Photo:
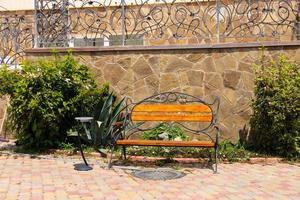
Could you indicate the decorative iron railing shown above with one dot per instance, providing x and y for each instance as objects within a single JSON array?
[
  {"x": 96, "y": 23},
  {"x": 16, "y": 34},
  {"x": 165, "y": 22}
]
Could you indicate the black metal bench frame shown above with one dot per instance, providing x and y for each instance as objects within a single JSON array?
[{"x": 120, "y": 136}]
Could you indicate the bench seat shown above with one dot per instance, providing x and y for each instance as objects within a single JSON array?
[{"x": 166, "y": 143}]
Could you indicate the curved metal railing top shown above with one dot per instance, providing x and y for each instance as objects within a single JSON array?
[
  {"x": 101, "y": 23},
  {"x": 165, "y": 22}
]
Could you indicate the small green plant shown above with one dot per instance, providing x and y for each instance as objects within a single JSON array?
[
  {"x": 72, "y": 148},
  {"x": 106, "y": 114},
  {"x": 170, "y": 152},
  {"x": 233, "y": 152},
  {"x": 68, "y": 147},
  {"x": 46, "y": 96},
  {"x": 164, "y": 131},
  {"x": 88, "y": 149},
  {"x": 275, "y": 123},
  {"x": 228, "y": 151}
]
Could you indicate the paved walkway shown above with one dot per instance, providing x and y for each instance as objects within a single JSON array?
[{"x": 26, "y": 177}]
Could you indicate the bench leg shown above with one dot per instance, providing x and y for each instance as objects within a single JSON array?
[
  {"x": 110, "y": 157},
  {"x": 124, "y": 152},
  {"x": 216, "y": 160},
  {"x": 80, "y": 148},
  {"x": 210, "y": 159}
]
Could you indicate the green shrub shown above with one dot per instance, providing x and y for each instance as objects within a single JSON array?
[
  {"x": 164, "y": 131},
  {"x": 275, "y": 123},
  {"x": 46, "y": 96}
]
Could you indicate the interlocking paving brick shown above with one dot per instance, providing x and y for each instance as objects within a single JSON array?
[{"x": 45, "y": 178}]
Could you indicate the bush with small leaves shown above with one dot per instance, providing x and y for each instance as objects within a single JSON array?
[
  {"x": 275, "y": 123},
  {"x": 46, "y": 96}
]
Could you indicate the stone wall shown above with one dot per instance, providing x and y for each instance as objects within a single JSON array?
[
  {"x": 205, "y": 73},
  {"x": 3, "y": 104}
]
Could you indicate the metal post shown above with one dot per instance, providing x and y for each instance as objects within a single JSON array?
[
  {"x": 298, "y": 23},
  {"x": 111, "y": 155},
  {"x": 80, "y": 167},
  {"x": 216, "y": 150},
  {"x": 218, "y": 20},
  {"x": 82, "y": 121},
  {"x": 216, "y": 160},
  {"x": 15, "y": 45},
  {"x": 124, "y": 151},
  {"x": 123, "y": 22},
  {"x": 36, "y": 36},
  {"x": 80, "y": 148},
  {"x": 67, "y": 31}
]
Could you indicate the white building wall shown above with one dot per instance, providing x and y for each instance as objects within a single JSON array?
[
  {"x": 29, "y": 4},
  {"x": 16, "y": 5}
]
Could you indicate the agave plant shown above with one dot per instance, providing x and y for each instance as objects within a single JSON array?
[{"x": 106, "y": 114}]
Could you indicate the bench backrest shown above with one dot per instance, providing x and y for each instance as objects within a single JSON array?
[
  {"x": 171, "y": 112},
  {"x": 174, "y": 107}
]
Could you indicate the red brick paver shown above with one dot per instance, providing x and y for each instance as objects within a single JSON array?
[{"x": 24, "y": 177}]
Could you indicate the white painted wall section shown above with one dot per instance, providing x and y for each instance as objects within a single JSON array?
[
  {"x": 29, "y": 4},
  {"x": 16, "y": 5}
]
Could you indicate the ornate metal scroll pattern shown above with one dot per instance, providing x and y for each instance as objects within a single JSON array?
[
  {"x": 195, "y": 21},
  {"x": 172, "y": 97},
  {"x": 60, "y": 21},
  {"x": 168, "y": 19},
  {"x": 97, "y": 20},
  {"x": 146, "y": 19},
  {"x": 15, "y": 36},
  {"x": 52, "y": 22},
  {"x": 175, "y": 98},
  {"x": 258, "y": 18}
]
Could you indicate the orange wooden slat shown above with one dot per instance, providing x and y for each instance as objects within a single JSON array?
[
  {"x": 166, "y": 143},
  {"x": 136, "y": 116},
  {"x": 170, "y": 108}
]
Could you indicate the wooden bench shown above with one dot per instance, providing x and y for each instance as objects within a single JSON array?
[{"x": 172, "y": 108}]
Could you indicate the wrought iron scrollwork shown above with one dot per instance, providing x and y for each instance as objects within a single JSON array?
[
  {"x": 267, "y": 19},
  {"x": 62, "y": 23},
  {"x": 166, "y": 22},
  {"x": 15, "y": 36},
  {"x": 173, "y": 98}
]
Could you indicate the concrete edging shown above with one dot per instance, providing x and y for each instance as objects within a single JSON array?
[{"x": 169, "y": 47}]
